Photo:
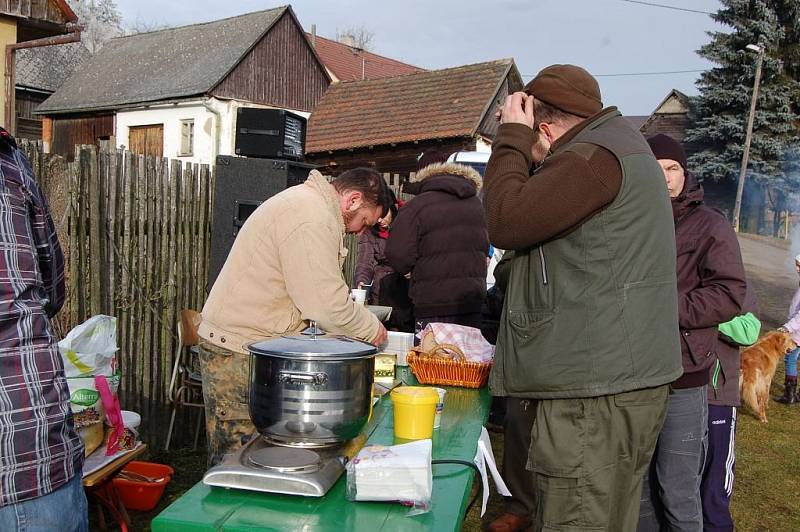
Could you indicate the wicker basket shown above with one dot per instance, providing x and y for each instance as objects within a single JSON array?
[{"x": 446, "y": 364}]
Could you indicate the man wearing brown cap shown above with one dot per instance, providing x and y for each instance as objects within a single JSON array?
[{"x": 589, "y": 328}]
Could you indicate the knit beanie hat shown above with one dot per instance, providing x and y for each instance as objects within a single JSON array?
[
  {"x": 665, "y": 147},
  {"x": 568, "y": 87}
]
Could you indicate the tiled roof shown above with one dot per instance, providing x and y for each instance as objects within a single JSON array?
[
  {"x": 349, "y": 64},
  {"x": 161, "y": 65},
  {"x": 425, "y": 105},
  {"x": 47, "y": 67}
]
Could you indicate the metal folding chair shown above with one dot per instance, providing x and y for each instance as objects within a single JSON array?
[{"x": 186, "y": 383}]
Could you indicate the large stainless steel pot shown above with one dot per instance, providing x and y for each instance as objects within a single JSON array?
[{"x": 312, "y": 388}]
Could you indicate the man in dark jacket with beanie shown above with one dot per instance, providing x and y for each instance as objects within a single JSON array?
[
  {"x": 711, "y": 291},
  {"x": 580, "y": 336},
  {"x": 440, "y": 238}
]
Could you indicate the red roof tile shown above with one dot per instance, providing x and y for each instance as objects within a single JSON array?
[
  {"x": 349, "y": 64},
  {"x": 425, "y": 105}
]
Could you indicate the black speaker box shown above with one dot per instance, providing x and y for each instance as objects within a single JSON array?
[
  {"x": 270, "y": 133},
  {"x": 241, "y": 185}
]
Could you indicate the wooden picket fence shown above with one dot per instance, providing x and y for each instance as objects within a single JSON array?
[{"x": 136, "y": 235}]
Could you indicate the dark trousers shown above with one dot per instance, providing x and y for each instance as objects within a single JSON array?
[
  {"x": 671, "y": 488},
  {"x": 520, "y": 414},
  {"x": 717, "y": 486}
]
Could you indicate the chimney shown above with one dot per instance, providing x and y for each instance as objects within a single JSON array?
[
  {"x": 313, "y": 36},
  {"x": 348, "y": 39}
]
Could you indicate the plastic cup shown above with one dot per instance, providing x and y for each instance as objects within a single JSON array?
[
  {"x": 414, "y": 410},
  {"x": 437, "y": 418},
  {"x": 359, "y": 295}
]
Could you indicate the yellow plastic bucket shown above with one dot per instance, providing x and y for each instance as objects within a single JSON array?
[{"x": 414, "y": 410}]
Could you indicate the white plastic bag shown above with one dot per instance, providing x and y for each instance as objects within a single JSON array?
[{"x": 89, "y": 348}]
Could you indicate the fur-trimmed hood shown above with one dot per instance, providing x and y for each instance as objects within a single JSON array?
[{"x": 461, "y": 170}]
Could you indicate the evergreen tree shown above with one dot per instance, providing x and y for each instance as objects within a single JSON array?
[{"x": 723, "y": 105}]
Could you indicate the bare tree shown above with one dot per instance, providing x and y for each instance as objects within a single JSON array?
[
  {"x": 101, "y": 21},
  {"x": 145, "y": 26},
  {"x": 355, "y": 37}
]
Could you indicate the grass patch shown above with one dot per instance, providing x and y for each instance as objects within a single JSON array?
[{"x": 765, "y": 489}]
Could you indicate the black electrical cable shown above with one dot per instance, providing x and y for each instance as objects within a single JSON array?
[{"x": 469, "y": 464}]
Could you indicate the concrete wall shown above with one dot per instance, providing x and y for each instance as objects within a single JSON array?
[{"x": 8, "y": 35}]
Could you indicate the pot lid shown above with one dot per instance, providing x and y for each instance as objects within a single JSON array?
[{"x": 313, "y": 342}]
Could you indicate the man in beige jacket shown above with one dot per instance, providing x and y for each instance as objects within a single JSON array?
[{"x": 284, "y": 269}]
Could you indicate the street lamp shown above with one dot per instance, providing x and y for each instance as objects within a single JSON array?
[{"x": 737, "y": 207}]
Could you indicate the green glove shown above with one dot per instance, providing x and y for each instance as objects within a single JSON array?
[{"x": 742, "y": 330}]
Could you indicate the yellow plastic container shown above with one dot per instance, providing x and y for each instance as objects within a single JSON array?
[{"x": 414, "y": 410}]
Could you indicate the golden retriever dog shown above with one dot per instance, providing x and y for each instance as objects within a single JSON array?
[{"x": 758, "y": 367}]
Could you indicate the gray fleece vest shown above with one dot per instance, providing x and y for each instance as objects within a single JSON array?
[{"x": 595, "y": 312}]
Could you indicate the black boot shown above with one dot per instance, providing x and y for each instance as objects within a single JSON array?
[{"x": 789, "y": 393}]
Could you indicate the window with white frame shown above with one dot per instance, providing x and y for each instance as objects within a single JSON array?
[{"x": 187, "y": 138}]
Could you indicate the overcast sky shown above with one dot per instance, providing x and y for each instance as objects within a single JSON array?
[{"x": 603, "y": 36}]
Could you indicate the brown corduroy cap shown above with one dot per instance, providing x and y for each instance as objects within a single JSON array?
[{"x": 568, "y": 87}]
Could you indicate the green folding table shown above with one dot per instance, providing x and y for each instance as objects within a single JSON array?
[{"x": 231, "y": 510}]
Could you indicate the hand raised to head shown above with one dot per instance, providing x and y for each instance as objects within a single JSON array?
[{"x": 518, "y": 109}]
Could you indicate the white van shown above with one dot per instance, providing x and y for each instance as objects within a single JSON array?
[{"x": 475, "y": 159}]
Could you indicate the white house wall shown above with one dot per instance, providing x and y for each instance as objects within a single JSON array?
[
  {"x": 205, "y": 126},
  {"x": 171, "y": 118}
]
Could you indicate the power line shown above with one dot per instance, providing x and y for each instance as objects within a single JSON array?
[
  {"x": 646, "y": 73},
  {"x": 651, "y": 4},
  {"x": 633, "y": 73}
]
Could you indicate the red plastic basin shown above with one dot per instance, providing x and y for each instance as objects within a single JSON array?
[{"x": 143, "y": 496}]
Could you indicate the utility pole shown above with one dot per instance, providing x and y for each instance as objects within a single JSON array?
[{"x": 737, "y": 207}]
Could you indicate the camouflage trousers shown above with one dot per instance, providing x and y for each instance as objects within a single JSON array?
[{"x": 226, "y": 388}]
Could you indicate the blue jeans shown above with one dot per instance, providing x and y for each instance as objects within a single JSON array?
[
  {"x": 671, "y": 489},
  {"x": 791, "y": 362},
  {"x": 64, "y": 510}
]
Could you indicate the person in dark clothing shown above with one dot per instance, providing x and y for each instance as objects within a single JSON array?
[
  {"x": 387, "y": 287},
  {"x": 440, "y": 238},
  {"x": 372, "y": 266},
  {"x": 518, "y": 416},
  {"x": 711, "y": 291}
]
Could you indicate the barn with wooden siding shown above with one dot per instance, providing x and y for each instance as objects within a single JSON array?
[
  {"x": 27, "y": 24},
  {"x": 175, "y": 92},
  {"x": 39, "y": 73},
  {"x": 671, "y": 117},
  {"x": 386, "y": 123}
]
